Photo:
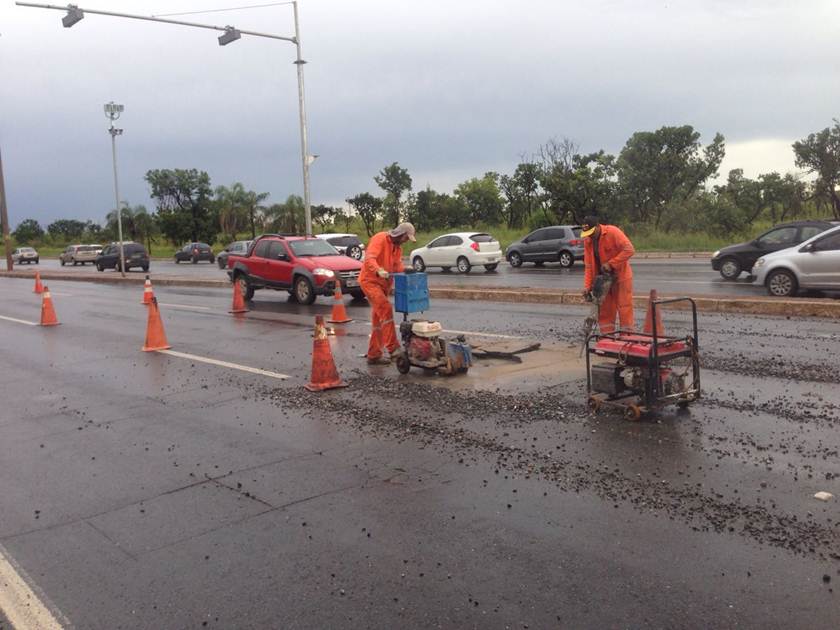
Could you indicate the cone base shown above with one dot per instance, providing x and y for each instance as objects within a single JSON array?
[
  {"x": 156, "y": 348},
  {"x": 238, "y": 310},
  {"x": 339, "y": 321},
  {"x": 319, "y": 387},
  {"x": 51, "y": 324}
]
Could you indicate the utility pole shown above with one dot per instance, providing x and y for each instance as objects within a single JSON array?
[
  {"x": 113, "y": 111},
  {"x": 4, "y": 219},
  {"x": 304, "y": 149}
]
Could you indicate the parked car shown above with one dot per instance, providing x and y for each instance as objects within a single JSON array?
[
  {"x": 731, "y": 261},
  {"x": 194, "y": 252},
  {"x": 237, "y": 247},
  {"x": 815, "y": 264},
  {"x": 304, "y": 266},
  {"x": 462, "y": 250},
  {"x": 347, "y": 244},
  {"x": 558, "y": 243},
  {"x": 26, "y": 255},
  {"x": 135, "y": 256},
  {"x": 79, "y": 254}
]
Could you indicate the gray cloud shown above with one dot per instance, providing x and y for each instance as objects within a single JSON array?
[{"x": 448, "y": 89}]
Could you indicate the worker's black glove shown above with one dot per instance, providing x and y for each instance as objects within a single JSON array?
[{"x": 588, "y": 297}]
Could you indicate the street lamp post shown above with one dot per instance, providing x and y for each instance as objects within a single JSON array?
[
  {"x": 229, "y": 34},
  {"x": 113, "y": 111}
]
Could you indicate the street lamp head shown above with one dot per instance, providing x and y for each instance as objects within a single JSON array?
[
  {"x": 74, "y": 14},
  {"x": 230, "y": 35},
  {"x": 113, "y": 110}
]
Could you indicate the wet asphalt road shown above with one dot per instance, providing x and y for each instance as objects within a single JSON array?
[
  {"x": 151, "y": 491},
  {"x": 668, "y": 276}
]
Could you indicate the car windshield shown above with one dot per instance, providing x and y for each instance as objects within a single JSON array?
[
  {"x": 313, "y": 247},
  {"x": 26, "y": 250}
]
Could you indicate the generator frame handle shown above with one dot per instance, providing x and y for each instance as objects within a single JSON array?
[{"x": 655, "y": 382}]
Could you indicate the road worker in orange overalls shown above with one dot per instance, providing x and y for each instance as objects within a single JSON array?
[
  {"x": 383, "y": 257},
  {"x": 606, "y": 249}
]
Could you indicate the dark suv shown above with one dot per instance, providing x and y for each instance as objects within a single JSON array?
[
  {"x": 195, "y": 252},
  {"x": 135, "y": 256},
  {"x": 731, "y": 261},
  {"x": 306, "y": 267},
  {"x": 558, "y": 243}
]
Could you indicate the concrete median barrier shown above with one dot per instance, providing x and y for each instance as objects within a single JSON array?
[{"x": 802, "y": 307}]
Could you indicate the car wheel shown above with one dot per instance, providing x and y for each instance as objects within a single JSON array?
[
  {"x": 195, "y": 260},
  {"x": 463, "y": 265},
  {"x": 177, "y": 260},
  {"x": 99, "y": 267},
  {"x": 212, "y": 260},
  {"x": 145, "y": 268},
  {"x": 37, "y": 260},
  {"x": 566, "y": 259},
  {"x": 515, "y": 259},
  {"x": 491, "y": 267},
  {"x": 418, "y": 264},
  {"x": 61, "y": 261},
  {"x": 303, "y": 291},
  {"x": 781, "y": 283},
  {"x": 355, "y": 252},
  {"x": 245, "y": 287},
  {"x": 358, "y": 295},
  {"x": 220, "y": 263},
  {"x": 730, "y": 269}
]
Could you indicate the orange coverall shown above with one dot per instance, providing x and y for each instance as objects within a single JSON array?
[
  {"x": 615, "y": 249},
  {"x": 381, "y": 253}
]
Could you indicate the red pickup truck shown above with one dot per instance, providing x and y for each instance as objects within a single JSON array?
[{"x": 304, "y": 266}]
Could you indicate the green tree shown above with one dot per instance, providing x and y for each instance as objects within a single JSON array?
[
  {"x": 230, "y": 207},
  {"x": 658, "y": 168},
  {"x": 66, "y": 229},
  {"x": 324, "y": 215},
  {"x": 482, "y": 198},
  {"x": 369, "y": 210},
  {"x": 394, "y": 180},
  {"x": 27, "y": 231},
  {"x": 288, "y": 217},
  {"x": 185, "y": 211},
  {"x": 522, "y": 193},
  {"x": 819, "y": 153}
]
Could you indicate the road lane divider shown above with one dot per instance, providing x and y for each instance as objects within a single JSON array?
[
  {"x": 18, "y": 321},
  {"x": 186, "y": 306},
  {"x": 21, "y": 605},
  {"x": 226, "y": 364}
]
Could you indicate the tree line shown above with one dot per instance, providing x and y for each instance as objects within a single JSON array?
[{"x": 658, "y": 181}]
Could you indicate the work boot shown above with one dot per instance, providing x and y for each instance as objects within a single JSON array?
[
  {"x": 396, "y": 354},
  {"x": 380, "y": 360}
]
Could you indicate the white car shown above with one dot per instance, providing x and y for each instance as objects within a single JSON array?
[
  {"x": 26, "y": 255},
  {"x": 462, "y": 250},
  {"x": 814, "y": 264},
  {"x": 347, "y": 244}
]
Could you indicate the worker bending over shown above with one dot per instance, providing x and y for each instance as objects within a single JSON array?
[
  {"x": 383, "y": 257},
  {"x": 606, "y": 249}
]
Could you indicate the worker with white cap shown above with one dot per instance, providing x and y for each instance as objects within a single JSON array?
[{"x": 383, "y": 257}]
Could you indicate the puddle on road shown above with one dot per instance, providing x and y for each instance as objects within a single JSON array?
[{"x": 549, "y": 365}]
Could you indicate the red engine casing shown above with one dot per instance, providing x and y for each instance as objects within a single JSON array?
[{"x": 420, "y": 348}]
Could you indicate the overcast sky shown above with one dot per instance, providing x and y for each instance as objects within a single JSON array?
[{"x": 448, "y": 88}]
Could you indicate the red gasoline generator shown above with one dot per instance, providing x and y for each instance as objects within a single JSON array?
[{"x": 640, "y": 371}]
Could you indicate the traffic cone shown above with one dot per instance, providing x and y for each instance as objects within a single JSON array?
[
  {"x": 648, "y": 329},
  {"x": 324, "y": 372},
  {"x": 155, "y": 337},
  {"x": 339, "y": 313},
  {"x": 48, "y": 317},
  {"x": 148, "y": 293},
  {"x": 238, "y": 300},
  {"x": 39, "y": 288}
]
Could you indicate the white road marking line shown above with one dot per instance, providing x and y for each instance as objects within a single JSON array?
[
  {"x": 188, "y": 306},
  {"x": 61, "y": 293},
  {"x": 18, "y": 321},
  {"x": 233, "y": 366},
  {"x": 23, "y": 608}
]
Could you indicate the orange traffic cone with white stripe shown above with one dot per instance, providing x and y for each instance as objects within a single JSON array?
[
  {"x": 148, "y": 293},
  {"x": 324, "y": 373},
  {"x": 238, "y": 301},
  {"x": 339, "y": 313},
  {"x": 48, "y": 317},
  {"x": 39, "y": 288},
  {"x": 648, "y": 329},
  {"x": 155, "y": 336}
]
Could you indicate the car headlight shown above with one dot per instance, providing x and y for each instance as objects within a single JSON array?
[
  {"x": 758, "y": 263},
  {"x": 327, "y": 273},
  {"x": 716, "y": 254}
]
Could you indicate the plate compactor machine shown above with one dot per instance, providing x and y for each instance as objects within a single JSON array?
[
  {"x": 641, "y": 371},
  {"x": 424, "y": 344}
]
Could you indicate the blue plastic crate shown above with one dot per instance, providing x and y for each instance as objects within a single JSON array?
[{"x": 411, "y": 292}]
